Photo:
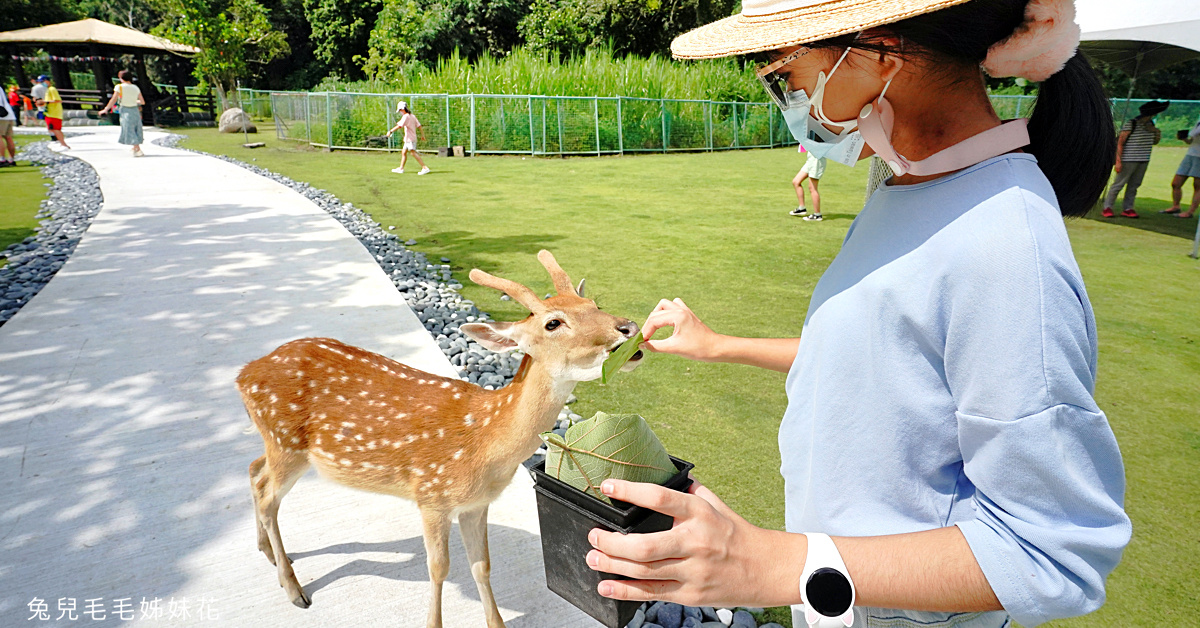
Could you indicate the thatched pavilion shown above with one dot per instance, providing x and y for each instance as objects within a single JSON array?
[{"x": 98, "y": 44}]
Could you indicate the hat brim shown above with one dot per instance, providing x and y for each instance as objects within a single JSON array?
[{"x": 742, "y": 34}]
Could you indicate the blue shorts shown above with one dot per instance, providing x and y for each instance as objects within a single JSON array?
[{"x": 1189, "y": 167}]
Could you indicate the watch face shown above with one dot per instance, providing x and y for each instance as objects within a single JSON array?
[{"x": 828, "y": 592}]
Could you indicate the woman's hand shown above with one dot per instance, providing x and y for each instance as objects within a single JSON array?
[
  {"x": 691, "y": 338},
  {"x": 1117, "y": 167},
  {"x": 711, "y": 557}
]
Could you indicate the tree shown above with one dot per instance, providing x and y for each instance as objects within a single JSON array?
[
  {"x": 231, "y": 35},
  {"x": 422, "y": 31},
  {"x": 16, "y": 14},
  {"x": 641, "y": 27},
  {"x": 341, "y": 32}
]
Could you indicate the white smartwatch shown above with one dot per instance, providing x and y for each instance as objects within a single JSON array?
[{"x": 825, "y": 585}]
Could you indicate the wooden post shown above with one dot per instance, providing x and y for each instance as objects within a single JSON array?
[
  {"x": 100, "y": 72},
  {"x": 147, "y": 86},
  {"x": 179, "y": 70}
]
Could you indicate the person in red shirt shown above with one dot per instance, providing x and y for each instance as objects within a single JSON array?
[{"x": 14, "y": 101}]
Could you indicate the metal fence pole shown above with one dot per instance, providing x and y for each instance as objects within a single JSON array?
[
  {"x": 1019, "y": 101},
  {"x": 532, "y": 148},
  {"x": 558, "y": 101},
  {"x": 708, "y": 123},
  {"x": 329, "y": 121},
  {"x": 543, "y": 124},
  {"x": 387, "y": 104},
  {"x": 620, "y": 128},
  {"x": 771, "y": 126},
  {"x": 736, "y": 139},
  {"x": 663, "y": 106},
  {"x": 596, "y": 118},
  {"x": 472, "y": 125},
  {"x": 449, "y": 142},
  {"x": 308, "y": 116}
]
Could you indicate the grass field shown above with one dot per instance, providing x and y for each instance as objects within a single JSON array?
[
  {"x": 23, "y": 193},
  {"x": 712, "y": 229}
]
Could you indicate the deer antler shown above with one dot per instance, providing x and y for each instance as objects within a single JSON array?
[
  {"x": 562, "y": 283},
  {"x": 520, "y": 293}
]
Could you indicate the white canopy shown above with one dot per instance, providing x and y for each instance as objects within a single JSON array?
[
  {"x": 93, "y": 31},
  {"x": 1139, "y": 35}
]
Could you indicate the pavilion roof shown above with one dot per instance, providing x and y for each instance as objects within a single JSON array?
[{"x": 93, "y": 31}]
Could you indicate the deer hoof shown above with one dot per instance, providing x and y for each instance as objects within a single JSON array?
[{"x": 302, "y": 600}]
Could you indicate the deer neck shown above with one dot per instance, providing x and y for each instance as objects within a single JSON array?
[{"x": 537, "y": 399}]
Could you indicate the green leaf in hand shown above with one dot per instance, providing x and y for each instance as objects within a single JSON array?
[
  {"x": 619, "y": 357},
  {"x": 620, "y": 446}
]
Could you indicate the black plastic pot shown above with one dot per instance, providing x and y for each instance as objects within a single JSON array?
[{"x": 566, "y": 516}]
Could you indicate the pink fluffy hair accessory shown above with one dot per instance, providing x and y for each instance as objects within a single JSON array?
[{"x": 1040, "y": 46}]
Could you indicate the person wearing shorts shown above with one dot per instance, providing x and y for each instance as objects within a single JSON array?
[
  {"x": 812, "y": 170},
  {"x": 410, "y": 124},
  {"x": 38, "y": 93},
  {"x": 8, "y": 118},
  {"x": 1188, "y": 168},
  {"x": 54, "y": 113}
]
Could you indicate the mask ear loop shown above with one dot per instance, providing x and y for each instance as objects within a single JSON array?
[{"x": 818, "y": 96}]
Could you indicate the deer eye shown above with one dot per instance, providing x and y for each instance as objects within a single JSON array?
[{"x": 553, "y": 324}]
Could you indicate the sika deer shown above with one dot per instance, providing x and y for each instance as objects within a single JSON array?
[{"x": 375, "y": 424}]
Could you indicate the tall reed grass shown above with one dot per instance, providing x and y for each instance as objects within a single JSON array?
[{"x": 596, "y": 73}]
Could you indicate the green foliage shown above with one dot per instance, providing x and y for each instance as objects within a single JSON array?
[
  {"x": 595, "y": 73},
  {"x": 340, "y": 32},
  {"x": 230, "y": 35},
  {"x": 16, "y": 14},
  {"x": 641, "y": 27},
  {"x": 607, "y": 446},
  {"x": 423, "y": 31}
]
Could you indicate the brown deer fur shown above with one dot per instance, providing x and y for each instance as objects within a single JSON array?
[{"x": 375, "y": 424}]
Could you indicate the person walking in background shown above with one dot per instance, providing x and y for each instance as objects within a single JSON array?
[
  {"x": 812, "y": 170},
  {"x": 410, "y": 124},
  {"x": 8, "y": 119},
  {"x": 1136, "y": 139},
  {"x": 54, "y": 113},
  {"x": 14, "y": 101},
  {"x": 1189, "y": 167},
  {"x": 129, "y": 97},
  {"x": 38, "y": 93}
]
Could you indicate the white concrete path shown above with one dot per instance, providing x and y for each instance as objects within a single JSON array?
[{"x": 122, "y": 453}]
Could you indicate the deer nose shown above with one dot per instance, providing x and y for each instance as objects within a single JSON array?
[{"x": 628, "y": 328}]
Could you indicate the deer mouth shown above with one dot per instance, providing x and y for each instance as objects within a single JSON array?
[{"x": 637, "y": 355}]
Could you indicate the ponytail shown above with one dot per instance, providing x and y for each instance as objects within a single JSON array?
[{"x": 1071, "y": 134}]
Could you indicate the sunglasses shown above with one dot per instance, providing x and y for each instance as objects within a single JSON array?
[{"x": 776, "y": 85}]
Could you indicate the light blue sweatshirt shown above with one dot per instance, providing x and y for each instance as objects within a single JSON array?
[{"x": 945, "y": 377}]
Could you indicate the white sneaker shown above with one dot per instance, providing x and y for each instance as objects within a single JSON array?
[
  {"x": 424, "y": 170},
  {"x": 398, "y": 170}
]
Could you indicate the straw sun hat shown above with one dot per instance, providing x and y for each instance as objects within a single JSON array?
[{"x": 771, "y": 24}]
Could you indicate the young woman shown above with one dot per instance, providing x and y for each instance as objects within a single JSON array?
[
  {"x": 410, "y": 124},
  {"x": 941, "y": 424},
  {"x": 129, "y": 97}
]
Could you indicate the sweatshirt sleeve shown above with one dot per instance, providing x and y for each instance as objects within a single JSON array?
[{"x": 1049, "y": 482}]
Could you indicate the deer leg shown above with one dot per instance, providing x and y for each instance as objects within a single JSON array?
[
  {"x": 281, "y": 478},
  {"x": 473, "y": 526},
  {"x": 437, "y": 550},
  {"x": 258, "y": 486}
]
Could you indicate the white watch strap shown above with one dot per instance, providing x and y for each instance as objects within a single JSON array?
[{"x": 822, "y": 553}]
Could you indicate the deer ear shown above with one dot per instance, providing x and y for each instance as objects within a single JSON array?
[
  {"x": 493, "y": 336},
  {"x": 579, "y": 290}
]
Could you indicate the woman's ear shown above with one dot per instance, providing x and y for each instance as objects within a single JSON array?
[{"x": 891, "y": 62}]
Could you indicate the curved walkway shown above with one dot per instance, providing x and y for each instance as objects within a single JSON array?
[{"x": 123, "y": 455}]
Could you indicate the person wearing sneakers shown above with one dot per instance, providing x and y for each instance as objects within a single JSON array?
[
  {"x": 1188, "y": 168},
  {"x": 410, "y": 124},
  {"x": 54, "y": 112},
  {"x": 8, "y": 149},
  {"x": 1137, "y": 137},
  {"x": 129, "y": 97},
  {"x": 813, "y": 170},
  {"x": 944, "y": 459}
]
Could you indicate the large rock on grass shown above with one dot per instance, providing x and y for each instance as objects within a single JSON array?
[{"x": 233, "y": 121}]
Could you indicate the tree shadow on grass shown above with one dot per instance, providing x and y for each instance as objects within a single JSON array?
[{"x": 468, "y": 249}]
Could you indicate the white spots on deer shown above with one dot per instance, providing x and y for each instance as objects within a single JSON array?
[
  {"x": 410, "y": 438},
  {"x": 342, "y": 399},
  {"x": 429, "y": 407},
  {"x": 254, "y": 388},
  {"x": 487, "y": 420},
  {"x": 276, "y": 359},
  {"x": 346, "y": 462},
  {"x": 344, "y": 378},
  {"x": 400, "y": 415},
  {"x": 295, "y": 440},
  {"x": 293, "y": 407},
  {"x": 469, "y": 420},
  {"x": 386, "y": 442},
  {"x": 458, "y": 395},
  {"x": 347, "y": 424},
  {"x": 312, "y": 383},
  {"x": 339, "y": 437},
  {"x": 510, "y": 397},
  {"x": 440, "y": 468},
  {"x": 403, "y": 375},
  {"x": 416, "y": 471},
  {"x": 445, "y": 384},
  {"x": 363, "y": 393},
  {"x": 441, "y": 432},
  {"x": 458, "y": 454},
  {"x": 274, "y": 398}
]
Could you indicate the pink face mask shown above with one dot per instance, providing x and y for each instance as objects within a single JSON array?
[{"x": 875, "y": 124}]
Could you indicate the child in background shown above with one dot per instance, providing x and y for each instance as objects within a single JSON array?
[
  {"x": 410, "y": 124},
  {"x": 54, "y": 113},
  {"x": 812, "y": 170}
]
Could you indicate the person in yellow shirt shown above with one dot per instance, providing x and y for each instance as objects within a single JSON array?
[{"x": 54, "y": 113}]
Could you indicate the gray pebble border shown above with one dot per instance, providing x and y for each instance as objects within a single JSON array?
[{"x": 73, "y": 200}]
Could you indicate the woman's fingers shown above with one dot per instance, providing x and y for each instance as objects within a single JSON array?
[
  {"x": 652, "y": 496},
  {"x": 643, "y": 548},
  {"x": 638, "y": 590},
  {"x": 657, "y": 320},
  {"x": 656, "y": 570}
]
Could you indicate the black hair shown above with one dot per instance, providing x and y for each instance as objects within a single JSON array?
[
  {"x": 125, "y": 75},
  {"x": 1071, "y": 127}
]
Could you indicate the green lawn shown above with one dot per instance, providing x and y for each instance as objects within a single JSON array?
[
  {"x": 712, "y": 229},
  {"x": 23, "y": 193}
]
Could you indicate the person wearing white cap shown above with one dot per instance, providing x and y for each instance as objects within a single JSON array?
[
  {"x": 410, "y": 124},
  {"x": 944, "y": 460}
]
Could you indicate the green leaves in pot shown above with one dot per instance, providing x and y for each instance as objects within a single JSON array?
[{"x": 620, "y": 446}]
